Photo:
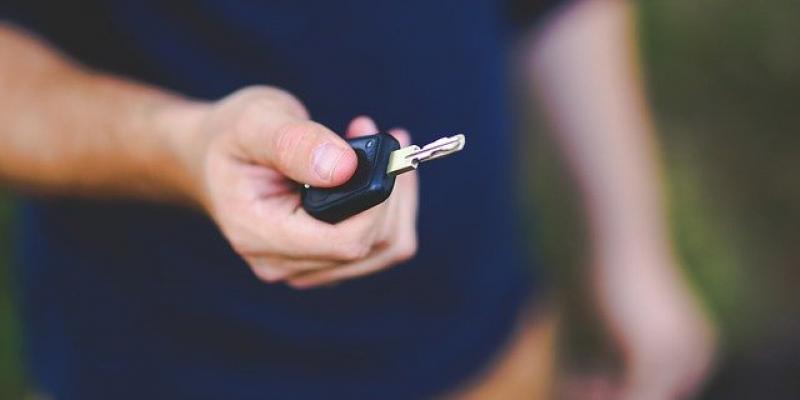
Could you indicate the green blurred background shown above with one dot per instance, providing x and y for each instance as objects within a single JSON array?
[
  {"x": 724, "y": 80},
  {"x": 724, "y": 77}
]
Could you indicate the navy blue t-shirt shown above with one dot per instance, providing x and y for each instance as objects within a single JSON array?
[{"x": 134, "y": 300}]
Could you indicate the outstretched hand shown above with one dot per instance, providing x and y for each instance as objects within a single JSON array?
[{"x": 252, "y": 149}]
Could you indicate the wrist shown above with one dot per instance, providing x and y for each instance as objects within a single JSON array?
[
  {"x": 644, "y": 244},
  {"x": 179, "y": 123}
]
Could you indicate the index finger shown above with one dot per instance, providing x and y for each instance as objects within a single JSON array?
[{"x": 301, "y": 235}]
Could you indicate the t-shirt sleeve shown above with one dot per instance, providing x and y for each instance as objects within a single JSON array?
[
  {"x": 22, "y": 13},
  {"x": 8, "y": 10},
  {"x": 525, "y": 14}
]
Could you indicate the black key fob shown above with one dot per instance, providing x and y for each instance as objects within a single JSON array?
[{"x": 369, "y": 186}]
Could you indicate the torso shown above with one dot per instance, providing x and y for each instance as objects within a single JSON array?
[{"x": 120, "y": 294}]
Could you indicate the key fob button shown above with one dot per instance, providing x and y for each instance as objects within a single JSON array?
[{"x": 369, "y": 186}]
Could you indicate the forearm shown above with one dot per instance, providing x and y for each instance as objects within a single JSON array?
[
  {"x": 585, "y": 70},
  {"x": 584, "y": 67},
  {"x": 66, "y": 129},
  {"x": 587, "y": 77}
]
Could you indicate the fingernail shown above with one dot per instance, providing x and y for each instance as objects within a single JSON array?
[{"x": 325, "y": 159}]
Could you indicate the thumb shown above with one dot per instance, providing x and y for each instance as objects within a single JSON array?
[{"x": 310, "y": 153}]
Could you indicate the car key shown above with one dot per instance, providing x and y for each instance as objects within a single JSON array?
[{"x": 380, "y": 159}]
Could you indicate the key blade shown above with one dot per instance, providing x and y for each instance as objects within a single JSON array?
[
  {"x": 408, "y": 158},
  {"x": 400, "y": 160},
  {"x": 439, "y": 148}
]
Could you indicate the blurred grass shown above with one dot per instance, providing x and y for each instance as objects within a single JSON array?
[
  {"x": 11, "y": 371},
  {"x": 724, "y": 79}
]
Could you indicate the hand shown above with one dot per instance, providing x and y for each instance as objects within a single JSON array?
[
  {"x": 667, "y": 341},
  {"x": 252, "y": 149}
]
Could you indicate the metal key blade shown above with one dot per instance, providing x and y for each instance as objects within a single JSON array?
[
  {"x": 408, "y": 158},
  {"x": 440, "y": 148}
]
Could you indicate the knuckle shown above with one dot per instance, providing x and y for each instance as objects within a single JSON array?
[
  {"x": 287, "y": 101},
  {"x": 240, "y": 235},
  {"x": 252, "y": 91},
  {"x": 239, "y": 245},
  {"x": 268, "y": 274},
  {"x": 254, "y": 109},
  {"x": 352, "y": 251},
  {"x": 255, "y": 100},
  {"x": 274, "y": 92},
  {"x": 366, "y": 227},
  {"x": 368, "y": 236},
  {"x": 263, "y": 91},
  {"x": 405, "y": 250},
  {"x": 249, "y": 118},
  {"x": 290, "y": 137}
]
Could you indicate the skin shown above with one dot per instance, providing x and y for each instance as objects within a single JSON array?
[
  {"x": 236, "y": 159},
  {"x": 584, "y": 66},
  {"x": 69, "y": 130}
]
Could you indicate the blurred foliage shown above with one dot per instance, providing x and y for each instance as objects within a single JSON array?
[
  {"x": 11, "y": 373},
  {"x": 724, "y": 79}
]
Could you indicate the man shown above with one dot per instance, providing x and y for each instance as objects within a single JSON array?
[{"x": 162, "y": 242}]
